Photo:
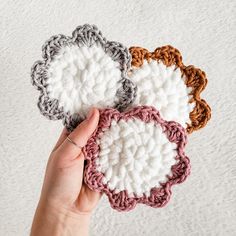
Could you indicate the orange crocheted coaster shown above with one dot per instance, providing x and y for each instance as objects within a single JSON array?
[{"x": 195, "y": 80}]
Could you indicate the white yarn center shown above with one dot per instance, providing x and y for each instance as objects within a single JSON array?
[
  {"x": 81, "y": 77},
  {"x": 164, "y": 88},
  {"x": 135, "y": 156}
]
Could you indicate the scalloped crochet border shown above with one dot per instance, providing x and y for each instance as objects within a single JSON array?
[
  {"x": 158, "y": 196},
  {"x": 83, "y": 35},
  {"x": 195, "y": 78}
]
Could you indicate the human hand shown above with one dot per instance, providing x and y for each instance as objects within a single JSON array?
[{"x": 66, "y": 203}]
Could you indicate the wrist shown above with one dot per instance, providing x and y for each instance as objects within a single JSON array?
[{"x": 59, "y": 221}]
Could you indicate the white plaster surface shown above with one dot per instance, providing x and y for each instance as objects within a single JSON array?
[{"x": 204, "y": 31}]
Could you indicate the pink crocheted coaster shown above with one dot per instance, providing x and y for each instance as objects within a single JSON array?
[{"x": 136, "y": 157}]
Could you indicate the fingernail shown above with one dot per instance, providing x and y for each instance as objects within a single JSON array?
[{"x": 90, "y": 114}]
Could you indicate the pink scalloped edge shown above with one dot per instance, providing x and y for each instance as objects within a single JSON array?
[{"x": 158, "y": 197}]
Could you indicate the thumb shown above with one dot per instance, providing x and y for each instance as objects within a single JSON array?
[{"x": 79, "y": 137}]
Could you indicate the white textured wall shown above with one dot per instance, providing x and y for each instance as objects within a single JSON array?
[{"x": 205, "y": 33}]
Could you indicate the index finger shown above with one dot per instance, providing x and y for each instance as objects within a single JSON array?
[{"x": 79, "y": 137}]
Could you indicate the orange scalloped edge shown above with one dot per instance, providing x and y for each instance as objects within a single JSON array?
[{"x": 195, "y": 79}]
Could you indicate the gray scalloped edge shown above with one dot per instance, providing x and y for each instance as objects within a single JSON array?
[{"x": 85, "y": 35}]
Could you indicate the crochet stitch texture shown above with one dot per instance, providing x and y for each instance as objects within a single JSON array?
[
  {"x": 148, "y": 102},
  {"x": 68, "y": 76},
  {"x": 160, "y": 193},
  {"x": 194, "y": 78},
  {"x": 163, "y": 88}
]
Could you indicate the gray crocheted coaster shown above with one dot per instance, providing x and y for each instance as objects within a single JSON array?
[{"x": 79, "y": 72}]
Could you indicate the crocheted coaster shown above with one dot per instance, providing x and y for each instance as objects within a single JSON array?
[
  {"x": 164, "y": 82},
  {"x": 136, "y": 157},
  {"x": 79, "y": 72}
]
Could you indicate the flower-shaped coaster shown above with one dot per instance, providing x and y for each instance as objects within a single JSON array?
[
  {"x": 136, "y": 157},
  {"x": 163, "y": 81},
  {"x": 79, "y": 72}
]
